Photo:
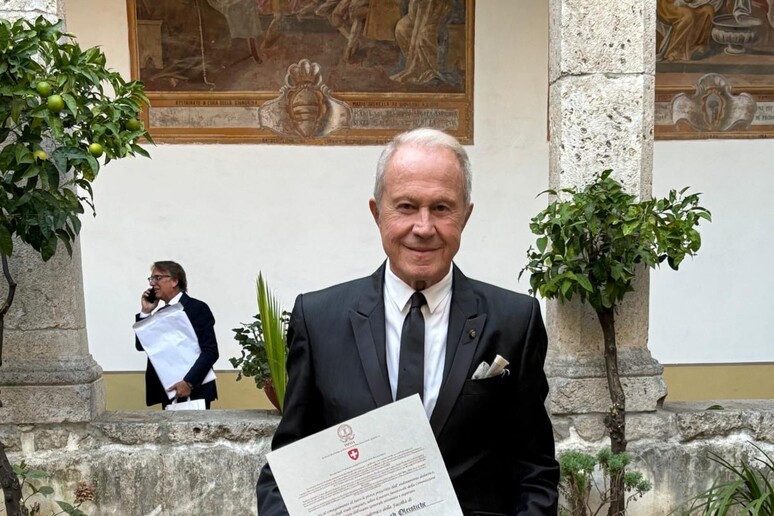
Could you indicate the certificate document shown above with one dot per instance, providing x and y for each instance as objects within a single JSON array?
[{"x": 383, "y": 463}]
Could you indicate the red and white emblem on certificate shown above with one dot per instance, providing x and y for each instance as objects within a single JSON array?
[{"x": 353, "y": 454}]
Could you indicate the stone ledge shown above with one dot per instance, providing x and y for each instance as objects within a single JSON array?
[
  {"x": 680, "y": 421},
  {"x": 154, "y": 462},
  {"x": 591, "y": 395},
  {"x": 145, "y": 427},
  {"x": 57, "y": 371}
]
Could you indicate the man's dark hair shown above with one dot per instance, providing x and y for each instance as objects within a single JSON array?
[{"x": 175, "y": 271}]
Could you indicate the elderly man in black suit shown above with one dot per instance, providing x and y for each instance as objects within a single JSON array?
[
  {"x": 168, "y": 283},
  {"x": 353, "y": 347}
]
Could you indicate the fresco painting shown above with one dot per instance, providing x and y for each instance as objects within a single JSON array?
[{"x": 303, "y": 71}]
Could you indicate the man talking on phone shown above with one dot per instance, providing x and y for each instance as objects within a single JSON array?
[{"x": 168, "y": 283}]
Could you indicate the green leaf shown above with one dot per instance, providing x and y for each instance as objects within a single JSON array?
[
  {"x": 274, "y": 328},
  {"x": 71, "y": 103},
  {"x": 139, "y": 150},
  {"x": 59, "y": 159},
  {"x": 65, "y": 238},
  {"x": 541, "y": 244},
  {"x": 6, "y": 242},
  {"x": 46, "y": 490},
  {"x": 48, "y": 249},
  {"x": 629, "y": 227},
  {"x": 36, "y": 473},
  {"x": 584, "y": 282},
  {"x": 23, "y": 155},
  {"x": 65, "y": 506}
]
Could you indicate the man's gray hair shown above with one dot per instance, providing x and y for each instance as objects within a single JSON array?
[{"x": 430, "y": 138}]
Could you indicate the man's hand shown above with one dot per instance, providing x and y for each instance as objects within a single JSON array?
[
  {"x": 147, "y": 306},
  {"x": 182, "y": 389}
]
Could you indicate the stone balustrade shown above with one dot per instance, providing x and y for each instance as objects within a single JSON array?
[{"x": 153, "y": 462}]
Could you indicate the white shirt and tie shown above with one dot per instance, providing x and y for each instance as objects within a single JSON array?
[
  {"x": 397, "y": 297},
  {"x": 175, "y": 300}
]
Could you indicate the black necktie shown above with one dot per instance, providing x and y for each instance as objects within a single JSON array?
[{"x": 411, "y": 367}]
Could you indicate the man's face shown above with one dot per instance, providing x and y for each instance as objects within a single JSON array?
[
  {"x": 422, "y": 213},
  {"x": 163, "y": 284}
]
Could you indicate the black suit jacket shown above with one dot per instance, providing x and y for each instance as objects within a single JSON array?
[
  {"x": 494, "y": 434},
  {"x": 203, "y": 323}
]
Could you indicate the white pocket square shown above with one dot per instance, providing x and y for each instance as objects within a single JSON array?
[{"x": 485, "y": 370}]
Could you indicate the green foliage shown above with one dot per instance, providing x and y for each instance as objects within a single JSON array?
[
  {"x": 254, "y": 361},
  {"x": 590, "y": 244},
  {"x": 749, "y": 491},
  {"x": 576, "y": 469},
  {"x": 577, "y": 480},
  {"x": 53, "y": 105},
  {"x": 275, "y": 338},
  {"x": 37, "y": 493}
]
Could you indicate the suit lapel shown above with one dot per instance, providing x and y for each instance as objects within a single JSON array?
[
  {"x": 368, "y": 328},
  {"x": 465, "y": 327}
]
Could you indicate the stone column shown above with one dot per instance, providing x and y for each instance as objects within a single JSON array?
[
  {"x": 47, "y": 374},
  {"x": 601, "y": 98}
]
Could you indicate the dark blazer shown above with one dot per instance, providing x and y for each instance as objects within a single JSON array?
[
  {"x": 203, "y": 323},
  {"x": 494, "y": 434}
]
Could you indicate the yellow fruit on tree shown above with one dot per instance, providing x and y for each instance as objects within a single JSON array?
[
  {"x": 96, "y": 150},
  {"x": 43, "y": 88},
  {"x": 40, "y": 155},
  {"x": 133, "y": 124},
  {"x": 55, "y": 103}
]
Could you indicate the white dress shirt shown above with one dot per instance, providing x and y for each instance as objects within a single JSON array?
[
  {"x": 397, "y": 297},
  {"x": 175, "y": 300}
]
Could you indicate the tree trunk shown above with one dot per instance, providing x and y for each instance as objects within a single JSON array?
[
  {"x": 7, "y": 305},
  {"x": 578, "y": 497},
  {"x": 615, "y": 421},
  {"x": 9, "y": 483}
]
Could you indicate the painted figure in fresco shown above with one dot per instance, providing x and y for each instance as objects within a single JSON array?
[
  {"x": 349, "y": 18},
  {"x": 687, "y": 28},
  {"x": 243, "y": 21},
  {"x": 281, "y": 9},
  {"x": 419, "y": 35}
]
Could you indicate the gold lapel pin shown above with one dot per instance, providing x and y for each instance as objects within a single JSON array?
[{"x": 472, "y": 334}]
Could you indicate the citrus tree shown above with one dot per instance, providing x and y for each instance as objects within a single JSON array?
[
  {"x": 590, "y": 245},
  {"x": 61, "y": 112}
]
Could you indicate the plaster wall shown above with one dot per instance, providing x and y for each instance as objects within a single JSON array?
[{"x": 300, "y": 214}]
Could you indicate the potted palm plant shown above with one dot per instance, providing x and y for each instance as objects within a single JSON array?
[{"x": 264, "y": 346}]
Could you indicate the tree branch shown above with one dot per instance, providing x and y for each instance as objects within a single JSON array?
[
  {"x": 9, "y": 483},
  {"x": 8, "y": 302}
]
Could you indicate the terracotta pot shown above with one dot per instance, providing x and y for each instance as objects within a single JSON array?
[{"x": 268, "y": 388}]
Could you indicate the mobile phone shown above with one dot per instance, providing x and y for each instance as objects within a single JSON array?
[{"x": 151, "y": 296}]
